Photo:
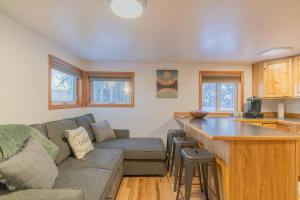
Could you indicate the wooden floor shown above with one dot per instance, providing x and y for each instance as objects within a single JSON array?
[{"x": 153, "y": 188}]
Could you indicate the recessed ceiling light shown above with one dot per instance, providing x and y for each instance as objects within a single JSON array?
[
  {"x": 128, "y": 8},
  {"x": 275, "y": 51}
]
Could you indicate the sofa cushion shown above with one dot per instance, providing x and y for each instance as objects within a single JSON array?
[
  {"x": 49, "y": 146},
  {"x": 56, "y": 133},
  {"x": 91, "y": 181},
  {"x": 85, "y": 121},
  {"x": 32, "y": 168},
  {"x": 99, "y": 158},
  {"x": 41, "y": 128},
  {"x": 136, "y": 148}
]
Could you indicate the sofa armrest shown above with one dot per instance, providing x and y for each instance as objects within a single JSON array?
[
  {"x": 44, "y": 194},
  {"x": 122, "y": 133}
]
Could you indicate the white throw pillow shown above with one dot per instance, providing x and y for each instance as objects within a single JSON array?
[
  {"x": 79, "y": 141},
  {"x": 103, "y": 131}
]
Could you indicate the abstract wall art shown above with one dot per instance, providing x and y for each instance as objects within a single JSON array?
[{"x": 167, "y": 84}]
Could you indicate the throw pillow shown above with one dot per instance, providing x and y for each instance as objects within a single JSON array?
[
  {"x": 79, "y": 141},
  {"x": 103, "y": 131},
  {"x": 32, "y": 168}
]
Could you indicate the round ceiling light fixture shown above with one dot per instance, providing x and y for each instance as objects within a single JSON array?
[{"x": 128, "y": 8}]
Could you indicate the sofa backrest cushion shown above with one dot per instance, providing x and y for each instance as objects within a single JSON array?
[
  {"x": 56, "y": 133},
  {"x": 85, "y": 121},
  {"x": 41, "y": 128},
  {"x": 48, "y": 145}
]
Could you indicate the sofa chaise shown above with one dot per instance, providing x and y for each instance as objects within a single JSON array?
[{"x": 99, "y": 174}]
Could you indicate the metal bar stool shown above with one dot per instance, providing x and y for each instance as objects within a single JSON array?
[
  {"x": 171, "y": 135},
  {"x": 192, "y": 157},
  {"x": 178, "y": 144}
]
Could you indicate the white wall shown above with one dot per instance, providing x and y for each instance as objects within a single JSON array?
[
  {"x": 291, "y": 105},
  {"x": 152, "y": 116},
  {"x": 24, "y": 85},
  {"x": 24, "y": 75}
]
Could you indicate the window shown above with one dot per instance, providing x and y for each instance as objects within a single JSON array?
[
  {"x": 221, "y": 92},
  {"x": 110, "y": 89},
  {"x": 65, "y": 84}
]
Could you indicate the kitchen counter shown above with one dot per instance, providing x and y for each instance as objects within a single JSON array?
[
  {"x": 231, "y": 128},
  {"x": 292, "y": 121},
  {"x": 254, "y": 162}
]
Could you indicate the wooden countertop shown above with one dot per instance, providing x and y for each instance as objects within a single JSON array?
[{"x": 231, "y": 128}]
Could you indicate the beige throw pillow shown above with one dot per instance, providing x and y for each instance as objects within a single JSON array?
[
  {"x": 79, "y": 141},
  {"x": 103, "y": 131},
  {"x": 32, "y": 168}
]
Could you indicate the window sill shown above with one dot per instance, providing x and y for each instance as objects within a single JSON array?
[
  {"x": 111, "y": 105},
  {"x": 220, "y": 114},
  {"x": 64, "y": 106}
]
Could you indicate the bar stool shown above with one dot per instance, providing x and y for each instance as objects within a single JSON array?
[
  {"x": 172, "y": 133},
  {"x": 178, "y": 144},
  {"x": 192, "y": 157}
]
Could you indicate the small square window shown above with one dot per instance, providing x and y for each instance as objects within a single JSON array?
[
  {"x": 221, "y": 92},
  {"x": 111, "y": 89}
]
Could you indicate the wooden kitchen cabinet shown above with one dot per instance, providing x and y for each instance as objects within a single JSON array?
[
  {"x": 283, "y": 127},
  {"x": 296, "y": 76},
  {"x": 273, "y": 79},
  {"x": 255, "y": 123},
  {"x": 258, "y": 80},
  {"x": 278, "y": 80},
  {"x": 267, "y": 125},
  {"x": 297, "y": 129}
]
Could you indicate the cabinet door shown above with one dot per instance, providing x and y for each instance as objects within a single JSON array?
[
  {"x": 258, "y": 80},
  {"x": 297, "y": 130},
  {"x": 272, "y": 126},
  {"x": 296, "y": 74},
  {"x": 255, "y": 123},
  {"x": 278, "y": 78},
  {"x": 283, "y": 127}
]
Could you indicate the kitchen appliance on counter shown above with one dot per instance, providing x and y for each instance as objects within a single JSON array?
[{"x": 254, "y": 108}]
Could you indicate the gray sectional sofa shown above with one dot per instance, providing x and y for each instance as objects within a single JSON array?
[{"x": 99, "y": 175}]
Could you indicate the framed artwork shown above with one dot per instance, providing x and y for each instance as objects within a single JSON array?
[{"x": 167, "y": 84}]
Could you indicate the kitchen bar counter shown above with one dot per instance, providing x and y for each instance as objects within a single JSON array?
[
  {"x": 255, "y": 163},
  {"x": 230, "y": 128}
]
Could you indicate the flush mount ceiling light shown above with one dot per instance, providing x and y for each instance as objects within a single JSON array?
[
  {"x": 128, "y": 8},
  {"x": 275, "y": 51}
]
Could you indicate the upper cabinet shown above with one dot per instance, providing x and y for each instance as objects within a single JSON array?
[
  {"x": 273, "y": 79},
  {"x": 296, "y": 76},
  {"x": 258, "y": 80},
  {"x": 278, "y": 78}
]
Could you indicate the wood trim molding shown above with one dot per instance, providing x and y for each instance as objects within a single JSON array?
[
  {"x": 87, "y": 86},
  {"x": 79, "y": 84},
  {"x": 239, "y": 73}
]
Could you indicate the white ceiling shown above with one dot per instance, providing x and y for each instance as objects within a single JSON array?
[{"x": 208, "y": 31}]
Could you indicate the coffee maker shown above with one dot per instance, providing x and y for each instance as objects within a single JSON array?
[{"x": 254, "y": 108}]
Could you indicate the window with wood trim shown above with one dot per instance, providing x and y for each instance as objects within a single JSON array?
[
  {"x": 221, "y": 91},
  {"x": 110, "y": 89},
  {"x": 65, "y": 85}
]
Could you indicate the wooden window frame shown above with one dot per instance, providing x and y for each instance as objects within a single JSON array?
[
  {"x": 79, "y": 83},
  {"x": 237, "y": 73},
  {"x": 87, "y": 94}
]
